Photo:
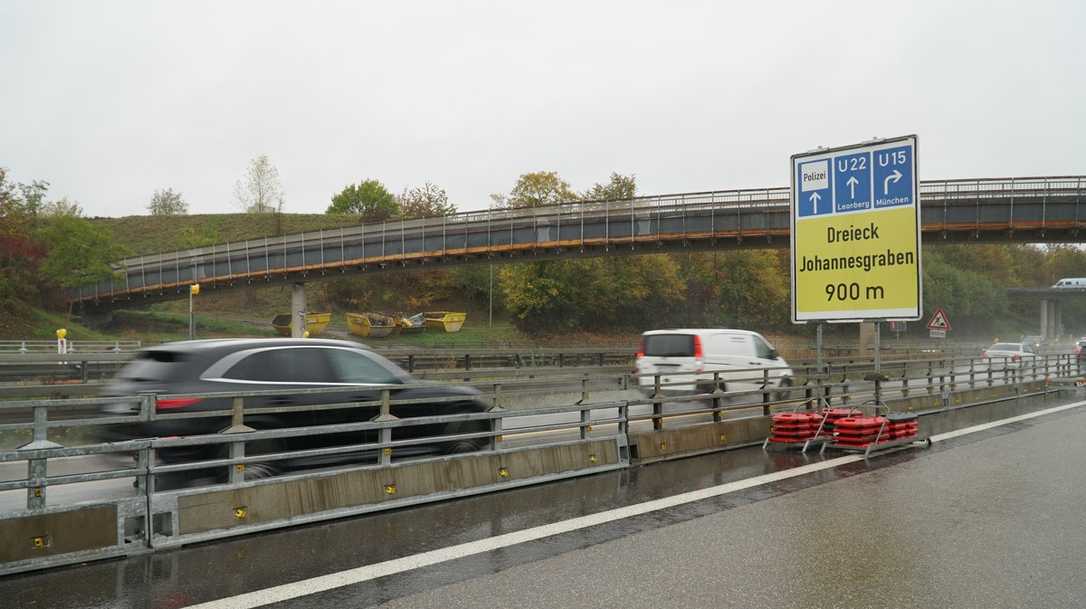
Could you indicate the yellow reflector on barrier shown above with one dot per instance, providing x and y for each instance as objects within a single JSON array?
[
  {"x": 592, "y": 458},
  {"x": 503, "y": 472},
  {"x": 39, "y": 542},
  {"x": 387, "y": 451},
  {"x": 240, "y": 467},
  {"x": 241, "y": 512},
  {"x": 390, "y": 489}
]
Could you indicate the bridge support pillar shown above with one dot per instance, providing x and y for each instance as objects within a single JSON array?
[
  {"x": 297, "y": 310},
  {"x": 1051, "y": 321}
]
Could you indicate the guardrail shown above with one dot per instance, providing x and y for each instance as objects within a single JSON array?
[
  {"x": 515, "y": 446},
  {"x": 87, "y": 366},
  {"x": 50, "y": 346}
]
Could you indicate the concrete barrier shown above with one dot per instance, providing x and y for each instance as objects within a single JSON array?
[{"x": 268, "y": 504}]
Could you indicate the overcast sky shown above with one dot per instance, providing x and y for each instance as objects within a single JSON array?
[{"x": 109, "y": 101}]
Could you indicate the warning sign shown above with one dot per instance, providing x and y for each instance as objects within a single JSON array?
[
  {"x": 939, "y": 324},
  {"x": 939, "y": 320}
]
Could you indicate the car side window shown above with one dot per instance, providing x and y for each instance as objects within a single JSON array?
[
  {"x": 357, "y": 367},
  {"x": 306, "y": 365},
  {"x": 761, "y": 349}
]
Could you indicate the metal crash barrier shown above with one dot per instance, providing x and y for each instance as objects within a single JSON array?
[{"x": 133, "y": 508}]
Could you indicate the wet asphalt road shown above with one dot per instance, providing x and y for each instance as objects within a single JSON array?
[{"x": 987, "y": 520}]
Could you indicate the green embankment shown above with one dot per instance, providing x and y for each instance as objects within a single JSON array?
[{"x": 154, "y": 234}]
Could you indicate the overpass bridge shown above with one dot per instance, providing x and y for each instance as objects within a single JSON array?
[
  {"x": 1050, "y": 300},
  {"x": 1025, "y": 209}
]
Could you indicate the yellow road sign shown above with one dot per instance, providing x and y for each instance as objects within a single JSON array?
[{"x": 855, "y": 230}]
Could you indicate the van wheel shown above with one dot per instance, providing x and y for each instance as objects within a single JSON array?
[{"x": 781, "y": 396}]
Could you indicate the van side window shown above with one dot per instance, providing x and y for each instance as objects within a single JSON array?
[{"x": 761, "y": 349}]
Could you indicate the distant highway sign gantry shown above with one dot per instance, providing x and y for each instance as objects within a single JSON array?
[{"x": 855, "y": 231}]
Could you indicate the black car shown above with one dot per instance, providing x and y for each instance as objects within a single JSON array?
[{"x": 182, "y": 369}]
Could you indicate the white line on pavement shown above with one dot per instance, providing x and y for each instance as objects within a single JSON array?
[{"x": 322, "y": 583}]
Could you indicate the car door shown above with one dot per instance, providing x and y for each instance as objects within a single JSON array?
[{"x": 733, "y": 354}]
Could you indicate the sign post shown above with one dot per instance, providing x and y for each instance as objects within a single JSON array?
[{"x": 855, "y": 236}]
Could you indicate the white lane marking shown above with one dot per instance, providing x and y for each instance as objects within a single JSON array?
[
  {"x": 399, "y": 565},
  {"x": 322, "y": 583},
  {"x": 1022, "y": 417}
]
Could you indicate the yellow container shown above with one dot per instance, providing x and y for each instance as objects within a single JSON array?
[
  {"x": 371, "y": 325},
  {"x": 315, "y": 323},
  {"x": 449, "y": 321}
]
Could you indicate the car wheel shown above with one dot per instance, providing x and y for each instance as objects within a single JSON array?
[{"x": 467, "y": 445}]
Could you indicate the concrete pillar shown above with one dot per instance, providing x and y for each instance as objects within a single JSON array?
[
  {"x": 1044, "y": 318},
  {"x": 297, "y": 309},
  {"x": 1057, "y": 320}
]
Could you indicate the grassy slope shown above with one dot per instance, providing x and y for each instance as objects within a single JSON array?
[{"x": 153, "y": 234}]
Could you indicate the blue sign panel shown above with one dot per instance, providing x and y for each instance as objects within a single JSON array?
[
  {"x": 893, "y": 176},
  {"x": 815, "y": 198},
  {"x": 852, "y": 182}
]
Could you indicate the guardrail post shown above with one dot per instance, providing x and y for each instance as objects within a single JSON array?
[
  {"x": 1006, "y": 371},
  {"x": 624, "y": 420},
  {"x": 584, "y": 390},
  {"x": 467, "y": 361},
  {"x": 385, "y": 433},
  {"x": 931, "y": 379},
  {"x": 1046, "y": 365},
  {"x": 411, "y": 362},
  {"x": 626, "y": 381},
  {"x": 496, "y": 422},
  {"x": 991, "y": 381},
  {"x": 766, "y": 401},
  {"x": 972, "y": 374},
  {"x": 145, "y": 459},
  {"x": 586, "y": 423},
  {"x": 37, "y": 469},
  {"x": 716, "y": 398},
  {"x": 237, "y": 448},
  {"x": 657, "y": 405}
]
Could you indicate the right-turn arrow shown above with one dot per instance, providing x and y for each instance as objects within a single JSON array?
[{"x": 886, "y": 183}]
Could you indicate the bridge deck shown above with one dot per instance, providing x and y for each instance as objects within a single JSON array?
[{"x": 1042, "y": 209}]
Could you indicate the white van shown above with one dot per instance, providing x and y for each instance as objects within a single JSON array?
[
  {"x": 1071, "y": 282},
  {"x": 738, "y": 355}
]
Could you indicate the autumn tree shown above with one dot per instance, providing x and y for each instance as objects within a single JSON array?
[{"x": 426, "y": 201}]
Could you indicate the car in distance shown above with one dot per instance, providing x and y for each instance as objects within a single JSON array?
[
  {"x": 1080, "y": 350},
  {"x": 183, "y": 369},
  {"x": 685, "y": 360},
  {"x": 1033, "y": 342},
  {"x": 1071, "y": 282},
  {"x": 1013, "y": 355}
]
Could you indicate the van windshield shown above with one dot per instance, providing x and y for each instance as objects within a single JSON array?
[{"x": 669, "y": 345}]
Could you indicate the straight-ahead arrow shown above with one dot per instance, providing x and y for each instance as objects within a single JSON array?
[
  {"x": 886, "y": 183},
  {"x": 852, "y": 182},
  {"x": 814, "y": 201}
]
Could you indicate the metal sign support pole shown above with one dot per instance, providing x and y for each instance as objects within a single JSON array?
[{"x": 818, "y": 347}]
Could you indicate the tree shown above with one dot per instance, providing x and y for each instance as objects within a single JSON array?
[
  {"x": 79, "y": 251},
  {"x": 369, "y": 199},
  {"x": 595, "y": 294},
  {"x": 167, "y": 202},
  {"x": 536, "y": 190},
  {"x": 260, "y": 192},
  {"x": 426, "y": 201},
  {"x": 63, "y": 207}
]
